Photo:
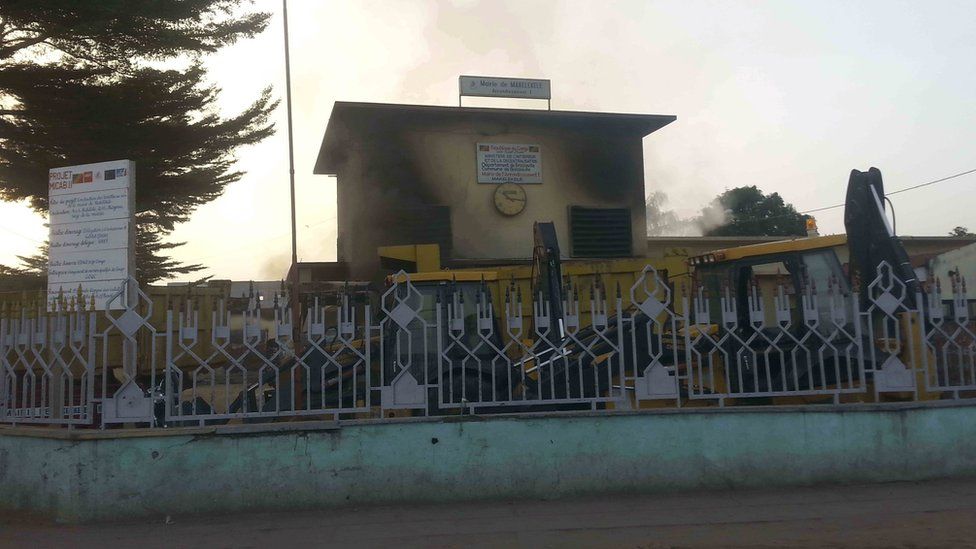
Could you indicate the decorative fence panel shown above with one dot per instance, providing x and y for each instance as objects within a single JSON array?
[
  {"x": 430, "y": 348},
  {"x": 491, "y": 360},
  {"x": 814, "y": 351},
  {"x": 129, "y": 354},
  {"x": 47, "y": 365},
  {"x": 653, "y": 350},
  {"x": 950, "y": 340},
  {"x": 252, "y": 370},
  {"x": 891, "y": 318}
]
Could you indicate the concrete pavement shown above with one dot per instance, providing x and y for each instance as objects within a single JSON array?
[{"x": 937, "y": 514}]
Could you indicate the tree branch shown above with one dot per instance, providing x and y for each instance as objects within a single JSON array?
[
  {"x": 79, "y": 57},
  {"x": 17, "y": 45}
]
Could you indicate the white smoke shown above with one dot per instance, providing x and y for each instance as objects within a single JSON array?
[
  {"x": 663, "y": 221},
  {"x": 275, "y": 266}
]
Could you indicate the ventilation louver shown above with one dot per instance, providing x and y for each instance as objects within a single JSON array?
[{"x": 600, "y": 232}]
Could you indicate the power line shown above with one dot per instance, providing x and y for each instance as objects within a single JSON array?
[
  {"x": 21, "y": 235},
  {"x": 913, "y": 187},
  {"x": 820, "y": 209},
  {"x": 932, "y": 182},
  {"x": 251, "y": 245}
]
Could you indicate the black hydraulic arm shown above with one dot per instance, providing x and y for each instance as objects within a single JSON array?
[
  {"x": 870, "y": 237},
  {"x": 549, "y": 277}
]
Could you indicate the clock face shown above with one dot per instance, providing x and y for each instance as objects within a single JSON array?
[{"x": 509, "y": 199}]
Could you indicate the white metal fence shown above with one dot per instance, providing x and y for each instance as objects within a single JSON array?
[
  {"x": 950, "y": 339},
  {"x": 442, "y": 348},
  {"x": 47, "y": 366}
]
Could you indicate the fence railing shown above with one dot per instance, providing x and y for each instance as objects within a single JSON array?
[
  {"x": 47, "y": 366},
  {"x": 426, "y": 348},
  {"x": 949, "y": 340}
]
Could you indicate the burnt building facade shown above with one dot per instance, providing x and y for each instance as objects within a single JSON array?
[{"x": 473, "y": 180}]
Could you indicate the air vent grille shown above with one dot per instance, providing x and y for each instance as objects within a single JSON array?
[{"x": 600, "y": 232}]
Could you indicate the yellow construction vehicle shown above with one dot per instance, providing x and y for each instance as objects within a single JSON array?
[
  {"x": 860, "y": 286},
  {"x": 773, "y": 322},
  {"x": 516, "y": 359},
  {"x": 806, "y": 319},
  {"x": 753, "y": 314}
]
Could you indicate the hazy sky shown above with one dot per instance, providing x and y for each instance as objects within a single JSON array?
[{"x": 788, "y": 96}]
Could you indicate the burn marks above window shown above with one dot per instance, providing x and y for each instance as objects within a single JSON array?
[
  {"x": 419, "y": 225},
  {"x": 600, "y": 232}
]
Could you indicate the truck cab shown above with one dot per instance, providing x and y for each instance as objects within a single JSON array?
[{"x": 768, "y": 270}]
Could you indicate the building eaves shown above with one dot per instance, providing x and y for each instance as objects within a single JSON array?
[{"x": 347, "y": 114}]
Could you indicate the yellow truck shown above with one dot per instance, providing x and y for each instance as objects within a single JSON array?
[
  {"x": 833, "y": 318},
  {"x": 838, "y": 316}
]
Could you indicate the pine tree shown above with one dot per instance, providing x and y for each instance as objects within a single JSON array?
[{"x": 85, "y": 81}]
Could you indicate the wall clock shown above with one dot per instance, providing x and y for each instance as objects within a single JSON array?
[{"x": 509, "y": 199}]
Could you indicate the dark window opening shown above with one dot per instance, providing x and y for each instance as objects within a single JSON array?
[{"x": 419, "y": 225}]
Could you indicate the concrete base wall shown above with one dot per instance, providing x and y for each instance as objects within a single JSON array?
[{"x": 85, "y": 476}]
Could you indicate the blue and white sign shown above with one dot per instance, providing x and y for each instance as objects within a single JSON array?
[
  {"x": 92, "y": 234},
  {"x": 509, "y": 163}
]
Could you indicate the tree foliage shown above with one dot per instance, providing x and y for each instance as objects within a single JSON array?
[
  {"x": 960, "y": 231},
  {"x": 85, "y": 81},
  {"x": 660, "y": 220},
  {"x": 121, "y": 34},
  {"x": 747, "y": 211}
]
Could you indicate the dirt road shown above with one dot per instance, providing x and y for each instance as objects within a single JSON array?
[{"x": 904, "y": 515}]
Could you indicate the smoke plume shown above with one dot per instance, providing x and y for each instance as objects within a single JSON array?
[{"x": 663, "y": 221}]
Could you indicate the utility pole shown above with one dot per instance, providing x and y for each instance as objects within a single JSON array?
[
  {"x": 291, "y": 141},
  {"x": 294, "y": 300}
]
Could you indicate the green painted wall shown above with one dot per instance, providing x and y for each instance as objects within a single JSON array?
[{"x": 94, "y": 476}]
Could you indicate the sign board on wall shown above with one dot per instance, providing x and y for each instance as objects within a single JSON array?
[
  {"x": 91, "y": 230},
  {"x": 487, "y": 86},
  {"x": 509, "y": 163}
]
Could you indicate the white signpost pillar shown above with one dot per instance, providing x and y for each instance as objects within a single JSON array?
[
  {"x": 92, "y": 233},
  {"x": 93, "y": 239},
  {"x": 90, "y": 237}
]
